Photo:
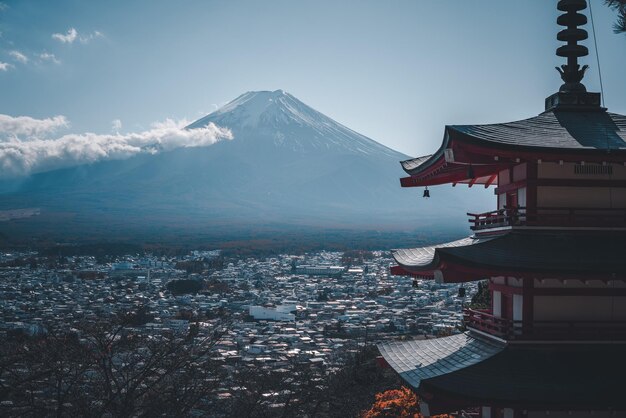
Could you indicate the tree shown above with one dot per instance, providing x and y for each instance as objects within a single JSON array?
[
  {"x": 620, "y": 7},
  {"x": 482, "y": 298},
  {"x": 396, "y": 403},
  {"x": 107, "y": 369},
  {"x": 112, "y": 369},
  {"x": 300, "y": 388},
  {"x": 184, "y": 286}
]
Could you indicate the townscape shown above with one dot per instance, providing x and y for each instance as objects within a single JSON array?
[{"x": 316, "y": 309}]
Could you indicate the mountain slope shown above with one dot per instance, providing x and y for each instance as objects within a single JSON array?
[
  {"x": 288, "y": 164},
  {"x": 279, "y": 118}
]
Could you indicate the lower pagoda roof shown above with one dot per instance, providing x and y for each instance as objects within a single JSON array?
[
  {"x": 592, "y": 136},
  {"x": 536, "y": 253},
  {"x": 420, "y": 360},
  {"x": 462, "y": 370}
]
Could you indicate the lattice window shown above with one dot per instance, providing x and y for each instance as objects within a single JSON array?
[{"x": 593, "y": 169}]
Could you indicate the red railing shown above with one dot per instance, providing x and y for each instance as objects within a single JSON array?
[
  {"x": 483, "y": 320},
  {"x": 568, "y": 217},
  {"x": 507, "y": 329}
]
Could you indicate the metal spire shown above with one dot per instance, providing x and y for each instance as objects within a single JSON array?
[
  {"x": 572, "y": 95},
  {"x": 571, "y": 73}
]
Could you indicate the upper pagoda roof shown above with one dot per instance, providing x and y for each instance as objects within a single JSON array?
[
  {"x": 589, "y": 135},
  {"x": 463, "y": 370},
  {"x": 535, "y": 253},
  {"x": 562, "y": 130}
]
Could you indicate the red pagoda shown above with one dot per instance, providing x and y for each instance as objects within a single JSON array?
[{"x": 553, "y": 342}]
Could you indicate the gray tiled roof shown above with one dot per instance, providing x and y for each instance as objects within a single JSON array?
[
  {"x": 478, "y": 371},
  {"x": 579, "y": 376},
  {"x": 414, "y": 162},
  {"x": 554, "y": 131},
  {"x": 563, "y": 130},
  {"x": 546, "y": 251},
  {"x": 424, "y": 359},
  {"x": 424, "y": 257}
]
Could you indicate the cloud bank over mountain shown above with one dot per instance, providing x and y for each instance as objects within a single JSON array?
[
  {"x": 288, "y": 169},
  {"x": 25, "y": 126},
  {"x": 26, "y": 145}
]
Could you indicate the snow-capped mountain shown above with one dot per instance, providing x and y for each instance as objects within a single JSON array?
[
  {"x": 287, "y": 164},
  {"x": 279, "y": 117}
]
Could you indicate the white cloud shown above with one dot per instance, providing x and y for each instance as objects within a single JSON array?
[
  {"x": 25, "y": 126},
  {"x": 72, "y": 35},
  {"x": 46, "y": 56},
  {"x": 4, "y": 66},
  {"x": 116, "y": 125},
  {"x": 30, "y": 154},
  {"x": 86, "y": 38},
  {"x": 66, "y": 38},
  {"x": 18, "y": 56},
  {"x": 3, "y": 6}
]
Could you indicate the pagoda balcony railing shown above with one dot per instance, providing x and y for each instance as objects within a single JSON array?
[
  {"x": 485, "y": 321},
  {"x": 553, "y": 216}
]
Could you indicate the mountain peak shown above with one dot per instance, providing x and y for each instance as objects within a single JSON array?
[
  {"x": 278, "y": 117},
  {"x": 247, "y": 109}
]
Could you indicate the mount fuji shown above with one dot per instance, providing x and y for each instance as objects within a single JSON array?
[{"x": 287, "y": 166}]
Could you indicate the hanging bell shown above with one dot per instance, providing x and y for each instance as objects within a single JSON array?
[
  {"x": 415, "y": 283},
  {"x": 461, "y": 292},
  {"x": 426, "y": 192}
]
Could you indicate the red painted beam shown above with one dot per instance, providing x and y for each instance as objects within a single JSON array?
[
  {"x": 456, "y": 272},
  {"x": 506, "y": 290},
  {"x": 560, "y": 183},
  {"x": 500, "y": 155},
  {"x": 491, "y": 180},
  {"x": 579, "y": 291},
  {"x": 477, "y": 153},
  {"x": 400, "y": 271},
  {"x": 511, "y": 186},
  {"x": 580, "y": 183},
  {"x": 453, "y": 173}
]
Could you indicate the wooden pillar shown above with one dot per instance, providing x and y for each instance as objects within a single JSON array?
[
  {"x": 531, "y": 187},
  {"x": 528, "y": 303}
]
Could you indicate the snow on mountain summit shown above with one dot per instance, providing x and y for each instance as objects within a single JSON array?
[{"x": 286, "y": 121}]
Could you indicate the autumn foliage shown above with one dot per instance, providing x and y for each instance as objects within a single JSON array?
[{"x": 396, "y": 403}]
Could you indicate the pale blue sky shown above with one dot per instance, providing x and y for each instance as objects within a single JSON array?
[{"x": 396, "y": 71}]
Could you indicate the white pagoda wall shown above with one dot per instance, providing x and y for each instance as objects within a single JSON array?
[
  {"x": 567, "y": 171},
  {"x": 581, "y": 197},
  {"x": 592, "y": 308},
  {"x": 497, "y": 304},
  {"x": 578, "y": 308}
]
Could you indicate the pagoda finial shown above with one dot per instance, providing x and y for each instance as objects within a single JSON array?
[
  {"x": 573, "y": 95},
  {"x": 572, "y": 73}
]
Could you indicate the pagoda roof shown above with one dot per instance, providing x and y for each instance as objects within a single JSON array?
[
  {"x": 468, "y": 370},
  {"x": 532, "y": 253},
  {"x": 426, "y": 258},
  {"x": 419, "y": 360},
  {"x": 553, "y": 135}
]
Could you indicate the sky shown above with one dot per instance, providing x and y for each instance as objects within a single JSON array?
[{"x": 396, "y": 71}]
